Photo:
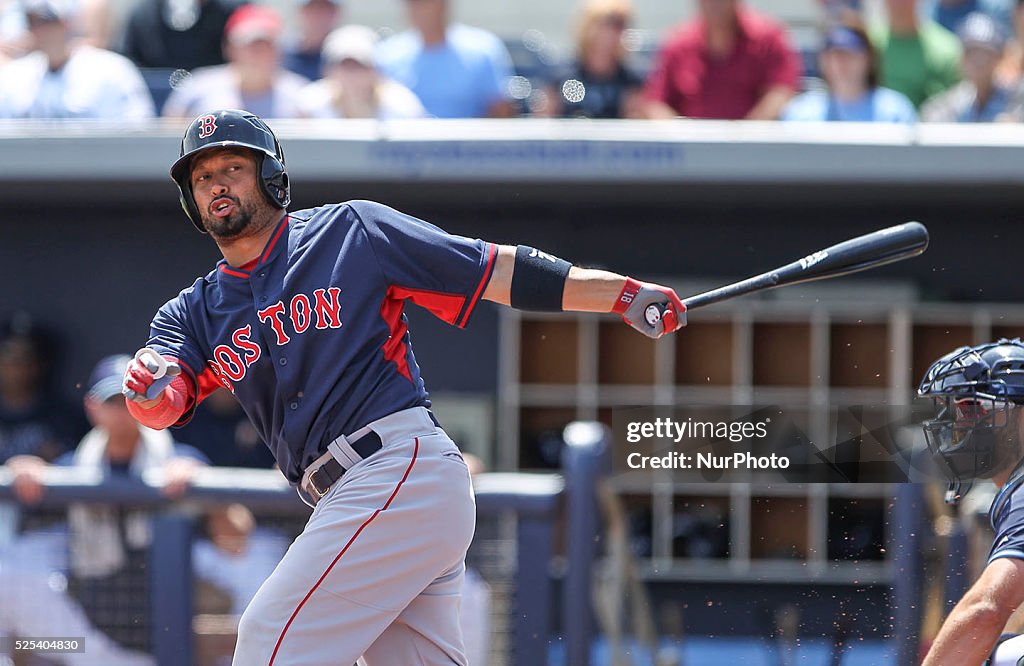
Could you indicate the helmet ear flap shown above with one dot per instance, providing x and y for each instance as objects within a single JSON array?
[
  {"x": 274, "y": 181},
  {"x": 188, "y": 204}
]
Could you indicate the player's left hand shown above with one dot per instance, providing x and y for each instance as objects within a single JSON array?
[
  {"x": 148, "y": 374},
  {"x": 650, "y": 308}
]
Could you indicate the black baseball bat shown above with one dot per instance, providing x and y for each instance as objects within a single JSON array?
[{"x": 862, "y": 253}]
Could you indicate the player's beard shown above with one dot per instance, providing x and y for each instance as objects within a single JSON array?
[{"x": 234, "y": 225}]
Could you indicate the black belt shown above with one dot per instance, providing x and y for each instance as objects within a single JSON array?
[{"x": 323, "y": 477}]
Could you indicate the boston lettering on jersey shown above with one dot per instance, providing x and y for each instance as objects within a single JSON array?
[
  {"x": 229, "y": 362},
  {"x": 313, "y": 340}
]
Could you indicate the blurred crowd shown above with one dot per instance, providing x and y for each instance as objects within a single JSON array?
[{"x": 951, "y": 61}]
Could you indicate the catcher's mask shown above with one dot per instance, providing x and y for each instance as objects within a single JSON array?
[
  {"x": 975, "y": 391},
  {"x": 226, "y": 128}
]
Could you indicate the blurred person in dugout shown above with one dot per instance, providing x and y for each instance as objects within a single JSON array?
[
  {"x": 352, "y": 87},
  {"x": 316, "y": 19},
  {"x": 176, "y": 34},
  {"x": 222, "y": 432},
  {"x": 108, "y": 544},
  {"x": 65, "y": 77},
  {"x": 920, "y": 58},
  {"x": 599, "y": 83},
  {"x": 231, "y": 557},
  {"x": 729, "y": 63},
  {"x": 34, "y": 419},
  {"x": 981, "y": 97},
  {"x": 252, "y": 79},
  {"x": 455, "y": 70},
  {"x": 34, "y": 603},
  {"x": 849, "y": 66}
]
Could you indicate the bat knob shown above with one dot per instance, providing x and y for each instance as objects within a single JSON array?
[
  {"x": 153, "y": 361},
  {"x": 652, "y": 314}
]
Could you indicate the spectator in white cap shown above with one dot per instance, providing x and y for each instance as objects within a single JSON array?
[
  {"x": 252, "y": 79},
  {"x": 316, "y": 19},
  {"x": 352, "y": 87},
  {"x": 980, "y": 97},
  {"x": 65, "y": 78}
]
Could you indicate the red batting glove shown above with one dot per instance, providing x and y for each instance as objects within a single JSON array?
[
  {"x": 140, "y": 383},
  {"x": 652, "y": 309}
]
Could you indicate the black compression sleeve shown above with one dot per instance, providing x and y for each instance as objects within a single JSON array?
[{"x": 538, "y": 280}]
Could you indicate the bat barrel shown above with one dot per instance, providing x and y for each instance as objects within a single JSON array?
[{"x": 857, "y": 254}]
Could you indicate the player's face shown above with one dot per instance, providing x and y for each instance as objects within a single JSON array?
[{"x": 226, "y": 191}]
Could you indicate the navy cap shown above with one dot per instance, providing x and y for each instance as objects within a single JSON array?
[
  {"x": 107, "y": 377},
  {"x": 845, "y": 39},
  {"x": 981, "y": 30}
]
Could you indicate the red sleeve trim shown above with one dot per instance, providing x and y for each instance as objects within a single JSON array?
[
  {"x": 488, "y": 270},
  {"x": 204, "y": 383},
  {"x": 444, "y": 306}
]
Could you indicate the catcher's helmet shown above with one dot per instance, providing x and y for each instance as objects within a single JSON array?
[
  {"x": 231, "y": 127},
  {"x": 975, "y": 390}
]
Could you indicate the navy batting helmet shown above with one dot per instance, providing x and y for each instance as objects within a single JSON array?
[
  {"x": 226, "y": 128},
  {"x": 975, "y": 390}
]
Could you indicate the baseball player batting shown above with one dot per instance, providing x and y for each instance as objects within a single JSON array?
[{"x": 303, "y": 321}]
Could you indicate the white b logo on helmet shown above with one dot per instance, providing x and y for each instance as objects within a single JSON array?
[{"x": 207, "y": 126}]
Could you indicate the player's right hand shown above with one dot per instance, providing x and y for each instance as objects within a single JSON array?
[
  {"x": 650, "y": 308},
  {"x": 148, "y": 374}
]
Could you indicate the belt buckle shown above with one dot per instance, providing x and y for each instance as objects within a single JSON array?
[{"x": 314, "y": 489}]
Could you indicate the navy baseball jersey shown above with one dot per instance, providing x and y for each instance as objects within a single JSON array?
[
  {"x": 312, "y": 339},
  {"x": 1007, "y": 517}
]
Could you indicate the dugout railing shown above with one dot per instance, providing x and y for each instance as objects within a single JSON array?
[{"x": 537, "y": 502}]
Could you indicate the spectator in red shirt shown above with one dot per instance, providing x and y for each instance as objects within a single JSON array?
[{"x": 730, "y": 63}]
